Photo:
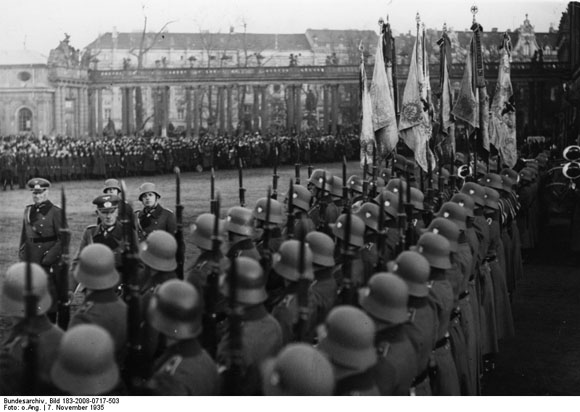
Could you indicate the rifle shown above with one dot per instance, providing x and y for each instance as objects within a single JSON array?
[
  {"x": 346, "y": 292},
  {"x": 211, "y": 292},
  {"x": 242, "y": 190},
  {"x": 290, "y": 214},
  {"x": 297, "y": 164},
  {"x": 381, "y": 264},
  {"x": 62, "y": 299},
  {"x": 267, "y": 235},
  {"x": 410, "y": 235},
  {"x": 373, "y": 184},
  {"x": 180, "y": 254},
  {"x": 30, "y": 351},
  {"x": 309, "y": 160},
  {"x": 275, "y": 176},
  {"x": 365, "y": 183},
  {"x": 401, "y": 220},
  {"x": 135, "y": 365},
  {"x": 234, "y": 372},
  {"x": 322, "y": 223},
  {"x": 212, "y": 201},
  {"x": 345, "y": 194},
  {"x": 429, "y": 198},
  {"x": 303, "y": 284}
]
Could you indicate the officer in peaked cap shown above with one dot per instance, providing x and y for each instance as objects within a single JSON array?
[
  {"x": 184, "y": 368},
  {"x": 102, "y": 306},
  {"x": 109, "y": 230},
  {"x": 41, "y": 232},
  {"x": 347, "y": 338},
  {"x": 48, "y": 335},
  {"x": 153, "y": 216},
  {"x": 385, "y": 301},
  {"x": 298, "y": 370},
  {"x": 261, "y": 333}
]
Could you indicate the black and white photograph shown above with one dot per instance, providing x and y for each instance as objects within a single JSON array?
[{"x": 257, "y": 198}]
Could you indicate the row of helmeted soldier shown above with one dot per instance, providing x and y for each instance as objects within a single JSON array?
[{"x": 360, "y": 287}]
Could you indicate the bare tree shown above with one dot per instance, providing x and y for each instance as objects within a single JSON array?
[{"x": 145, "y": 44}]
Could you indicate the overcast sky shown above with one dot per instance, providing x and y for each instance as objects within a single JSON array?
[{"x": 40, "y": 24}]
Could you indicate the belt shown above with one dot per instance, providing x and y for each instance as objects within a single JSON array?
[
  {"x": 463, "y": 294},
  {"x": 44, "y": 239},
  {"x": 442, "y": 342}
]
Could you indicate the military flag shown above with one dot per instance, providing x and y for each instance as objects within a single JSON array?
[
  {"x": 446, "y": 134},
  {"x": 383, "y": 106},
  {"x": 367, "y": 134},
  {"x": 502, "y": 127},
  {"x": 466, "y": 106},
  {"x": 414, "y": 124}
]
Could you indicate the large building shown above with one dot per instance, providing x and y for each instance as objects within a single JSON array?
[{"x": 163, "y": 83}]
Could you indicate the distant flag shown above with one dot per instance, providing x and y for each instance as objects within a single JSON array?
[
  {"x": 383, "y": 106},
  {"x": 414, "y": 124},
  {"x": 446, "y": 135},
  {"x": 367, "y": 134},
  {"x": 502, "y": 127},
  {"x": 466, "y": 106}
]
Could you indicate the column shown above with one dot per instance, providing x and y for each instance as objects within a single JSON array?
[
  {"x": 230, "y": 109},
  {"x": 188, "y": 111},
  {"x": 100, "y": 112},
  {"x": 334, "y": 109},
  {"x": 77, "y": 111},
  {"x": 124, "y": 118},
  {"x": 91, "y": 112},
  {"x": 58, "y": 109},
  {"x": 221, "y": 109},
  {"x": 290, "y": 107},
  {"x": 130, "y": 111},
  {"x": 196, "y": 110},
  {"x": 298, "y": 110},
  {"x": 165, "y": 111},
  {"x": 255, "y": 109},
  {"x": 326, "y": 106},
  {"x": 265, "y": 111}
]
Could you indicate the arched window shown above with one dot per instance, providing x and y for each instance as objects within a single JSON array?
[{"x": 24, "y": 120}]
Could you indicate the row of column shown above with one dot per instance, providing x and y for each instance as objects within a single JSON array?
[
  {"x": 221, "y": 116},
  {"x": 71, "y": 109}
]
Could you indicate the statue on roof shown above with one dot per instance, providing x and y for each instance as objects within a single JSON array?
[{"x": 64, "y": 55}]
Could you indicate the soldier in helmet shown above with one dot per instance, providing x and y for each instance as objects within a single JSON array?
[
  {"x": 102, "y": 306},
  {"x": 352, "y": 246},
  {"x": 355, "y": 186},
  {"x": 274, "y": 224},
  {"x": 41, "y": 233},
  {"x": 261, "y": 334},
  {"x": 347, "y": 338},
  {"x": 301, "y": 199},
  {"x": 369, "y": 212},
  {"x": 286, "y": 310},
  {"x": 48, "y": 336},
  {"x": 385, "y": 301},
  {"x": 153, "y": 216},
  {"x": 324, "y": 288},
  {"x": 323, "y": 210},
  {"x": 436, "y": 249},
  {"x": 392, "y": 239},
  {"x": 240, "y": 229},
  {"x": 85, "y": 364},
  {"x": 185, "y": 368},
  {"x": 414, "y": 269},
  {"x": 298, "y": 370}
]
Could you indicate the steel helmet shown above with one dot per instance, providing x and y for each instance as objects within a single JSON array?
[
  {"x": 317, "y": 179},
  {"x": 393, "y": 185},
  {"x": 251, "y": 282},
  {"x": 158, "y": 251},
  {"x": 85, "y": 363},
  {"x": 417, "y": 198},
  {"x": 96, "y": 267},
  {"x": 455, "y": 213},
  {"x": 12, "y": 301},
  {"x": 286, "y": 261},
  {"x": 446, "y": 228},
  {"x": 491, "y": 198},
  {"x": 357, "y": 229},
  {"x": 390, "y": 203},
  {"x": 414, "y": 269},
  {"x": 175, "y": 310},
  {"x": 336, "y": 188},
  {"x": 148, "y": 187},
  {"x": 475, "y": 191},
  {"x": 436, "y": 250},
  {"x": 240, "y": 220},
  {"x": 202, "y": 231},
  {"x": 355, "y": 184},
  {"x": 385, "y": 298},
  {"x": 369, "y": 213},
  {"x": 276, "y": 213},
  {"x": 400, "y": 163},
  {"x": 111, "y": 184},
  {"x": 512, "y": 174},
  {"x": 385, "y": 174},
  {"x": 322, "y": 247},
  {"x": 301, "y": 197},
  {"x": 298, "y": 370},
  {"x": 508, "y": 183},
  {"x": 492, "y": 180},
  {"x": 465, "y": 201},
  {"x": 348, "y": 338}
]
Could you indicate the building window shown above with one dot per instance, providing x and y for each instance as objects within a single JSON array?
[
  {"x": 107, "y": 114},
  {"x": 180, "y": 113},
  {"x": 24, "y": 120}
]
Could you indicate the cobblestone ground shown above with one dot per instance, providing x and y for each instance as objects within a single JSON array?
[{"x": 544, "y": 356}]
